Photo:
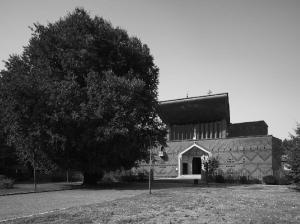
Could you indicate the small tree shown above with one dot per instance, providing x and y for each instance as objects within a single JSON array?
[
  {"x": 292, "y": 154},
  {"x": 210, "y": 166}
]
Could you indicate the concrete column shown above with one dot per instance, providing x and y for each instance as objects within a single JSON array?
[
  {"x": 211, "y": 125},
  {"x": 173, "y": 133},
  {"x": 194, "y": 133},
  {"x": 168, "y": 132},
  {"x": 216, "y": 129},
  {"x": 206, "y": 130},
  {"x": 219, "y": 129},
  {"x": 179, "y": 164},
  {"x": 201, "y": 130},
  {"x": 224, "y": 128}
]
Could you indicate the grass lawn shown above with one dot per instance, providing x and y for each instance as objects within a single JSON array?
[{"x": 188, "y": 204}]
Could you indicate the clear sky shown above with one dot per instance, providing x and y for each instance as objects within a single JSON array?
[{"x": 250, "y": 49}]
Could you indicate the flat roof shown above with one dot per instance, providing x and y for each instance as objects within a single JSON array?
[
  {"x": 260, "y": 122},
  {"x": 198, "y": 109}
]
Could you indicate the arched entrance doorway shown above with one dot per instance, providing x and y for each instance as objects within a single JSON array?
[{"x": 190, "y": 162}]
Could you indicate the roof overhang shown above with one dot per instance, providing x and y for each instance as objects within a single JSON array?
[{"x": 195, "y": 109}]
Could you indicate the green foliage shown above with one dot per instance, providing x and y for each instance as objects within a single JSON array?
[
  {"x": 210, "y": 166},
  {"x": 292, "y": 155},
  {"x": 254, "y": 181},
  {"x": 270, "y": 179},
  {"x": 284, "y": 180},
  {"x": 82, "y": 95},
  {"x": 6, "y": 183},
  {"x": 244, "y": 180},
  {"x": 219, "y": 179}
]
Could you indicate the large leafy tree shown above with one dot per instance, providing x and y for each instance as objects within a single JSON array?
[
  {"x": 292, "y": 154},
  {"x": 82, "y": 95}
]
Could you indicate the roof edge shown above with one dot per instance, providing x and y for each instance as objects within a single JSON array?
[
  {"x": 194, "y": 98},
  {"x": 227, "y": 138},
  {"x": 248, "y": 122}
]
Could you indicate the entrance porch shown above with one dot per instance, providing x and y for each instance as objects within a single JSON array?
[{"x": 191, "y": 162}]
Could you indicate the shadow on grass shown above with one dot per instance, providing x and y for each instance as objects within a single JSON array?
[{"x": 158, "y": 185}]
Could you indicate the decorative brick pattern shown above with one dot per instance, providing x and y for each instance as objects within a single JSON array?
[{"x": 253, "y": 157}]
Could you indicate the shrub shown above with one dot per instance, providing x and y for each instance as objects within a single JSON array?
[
  {"x": 244, "y": 180},
  {"x": 219, "y": 179},
  {"x": 284, "y": 181},
  {"x": 230, "y": 179},
  {"x": 210, "y": 166},
  {"x": 7, "y": 183},
  {"x": 128, "y": 178},
  {"x": 109, "y": 179},
  {"x": 254, "y": 181},
  {"x": 270, "y": 179},
  {"x": 210, "y": 178},
  {"x": 142, "y": 177}
]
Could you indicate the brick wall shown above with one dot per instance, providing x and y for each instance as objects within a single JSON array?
[{"x": 254, "y": 157}]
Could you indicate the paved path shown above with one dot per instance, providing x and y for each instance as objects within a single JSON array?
[
  {"x": 13, "y": 206},
  {"x": 29, "y": 187}
]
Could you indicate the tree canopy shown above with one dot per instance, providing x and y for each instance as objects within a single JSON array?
[
  {"x": 82, "y": 95},
  {"x": 292, "y": 154}
]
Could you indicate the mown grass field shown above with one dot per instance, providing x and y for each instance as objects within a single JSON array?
[{"x": 188, "y": 204}]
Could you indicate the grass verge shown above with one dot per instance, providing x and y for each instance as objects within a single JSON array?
[{"x": 215, "y": 204}]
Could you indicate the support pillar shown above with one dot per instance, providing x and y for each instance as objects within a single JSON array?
[
  {"x": 179, "y": 165},
  {"x": 211, "y": 130},
  {"x": 216, "y": 129},
  {"x": 201, "y": 131},
  {"x": 168, "y": 133},
  {"x": 224, "y": 128}
]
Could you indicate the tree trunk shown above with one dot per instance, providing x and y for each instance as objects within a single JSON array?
[{"x": 34, "y": 173}]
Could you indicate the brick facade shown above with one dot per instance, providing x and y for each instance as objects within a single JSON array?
[
  {"x": 199, "y": 128},
  {"x": 253, "y": 157}
]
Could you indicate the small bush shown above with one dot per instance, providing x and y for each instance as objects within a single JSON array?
[
  {"x": 109, "y": 179},
  {"x": 254, "y": 181},
  {"x": 142, "y": 177},
  {"x": 219, "y": 179},
  {"x": 7, "y": 183},
  {"x": 284, "y": 181},
  {"x": 210, "y": 178},
  {"x": 129, "y": 178},
  {"x": 244, "y": 180},
  {"x": 230, "y": 179},
  {"x": 270, "y": 180}
]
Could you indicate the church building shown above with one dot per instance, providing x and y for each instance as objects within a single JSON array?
[{"x": 199, "y": 128}]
